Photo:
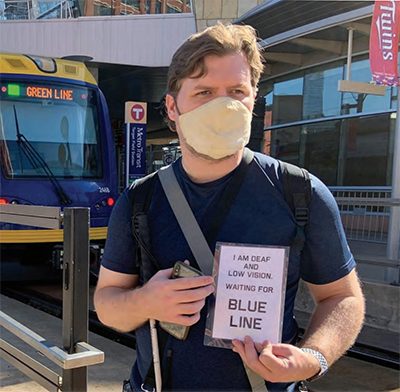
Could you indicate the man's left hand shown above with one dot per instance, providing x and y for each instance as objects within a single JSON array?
[{"x": 276, "y": 362}]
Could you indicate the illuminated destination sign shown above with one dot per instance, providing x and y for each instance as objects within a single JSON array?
[
  {"x": 37, "y": 91},
  {"x": 50, "y": 93}
]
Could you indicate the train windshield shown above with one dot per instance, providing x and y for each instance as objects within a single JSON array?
[{"x": 49, "y": 129}]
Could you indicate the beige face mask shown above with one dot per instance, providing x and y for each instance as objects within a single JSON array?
[{"x": 218, "y": 128}]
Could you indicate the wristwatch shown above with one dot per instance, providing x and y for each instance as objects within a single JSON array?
[{"x": 322, "y": 363}]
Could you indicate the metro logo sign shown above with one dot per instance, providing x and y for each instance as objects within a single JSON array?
[
  {"x": 136, "y": 112},
  {"x": 384, "y": 42}
]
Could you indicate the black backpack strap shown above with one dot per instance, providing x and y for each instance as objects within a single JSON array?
[
  {"x": 149, "y": 381},
  {"x": 297, "y": 192},
  {"x": 142, "y": 192}
]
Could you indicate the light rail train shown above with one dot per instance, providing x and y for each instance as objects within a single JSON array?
[{"x": 56, "y": 149}]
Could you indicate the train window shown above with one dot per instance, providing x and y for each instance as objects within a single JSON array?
[{"x": 49, "y": 130}]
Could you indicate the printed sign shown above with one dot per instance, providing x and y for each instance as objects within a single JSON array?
[
  {"x": 250, "y": 292},
  {"x": 135, "y": 127}
]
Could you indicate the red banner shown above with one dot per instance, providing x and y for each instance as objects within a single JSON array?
[{"x": 384, "y": 42}]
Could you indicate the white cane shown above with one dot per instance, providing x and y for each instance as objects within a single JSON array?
[{"x": 156, "y": 355}]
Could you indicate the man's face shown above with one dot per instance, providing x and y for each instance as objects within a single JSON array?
[{"x": 227, "y": 76}]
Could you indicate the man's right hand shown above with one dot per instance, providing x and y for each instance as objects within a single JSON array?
[{"x": 176, "y": 301}]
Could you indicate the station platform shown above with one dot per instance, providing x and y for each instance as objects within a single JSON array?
[
  {"x": 352, "y": 375},
  {"x": 106, "y": 377},
  {"x": 347, "y": 374}
]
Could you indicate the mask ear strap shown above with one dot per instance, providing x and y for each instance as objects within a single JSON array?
[{"x": 176, "y": 105}]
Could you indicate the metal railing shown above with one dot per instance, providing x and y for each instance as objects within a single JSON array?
[
  {"x": 76, "y": 354},
  {"x": 374, "y": 237},
  {"x": 56, "y": 9},
  {"x": 365, "y": 212}
]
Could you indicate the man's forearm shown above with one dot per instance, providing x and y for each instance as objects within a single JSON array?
[
  {"x": 120, "y": 308},
  {"x": 335, "y": 325}
]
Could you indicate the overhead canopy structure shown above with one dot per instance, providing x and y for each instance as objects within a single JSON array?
[{"x": 296, "y": 34}]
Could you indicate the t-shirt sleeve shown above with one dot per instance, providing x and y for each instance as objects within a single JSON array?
[
  {"x": 326, "y": 256},
  {"x": 119, "y": 251}
]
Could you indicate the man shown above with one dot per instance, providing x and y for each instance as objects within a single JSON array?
[{"x": 212, "y": 85}]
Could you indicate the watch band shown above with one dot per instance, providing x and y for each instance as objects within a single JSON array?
[{"x": 322, "y": 363}]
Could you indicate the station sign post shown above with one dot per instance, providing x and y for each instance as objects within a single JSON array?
[{"x": 135, "y": 139}]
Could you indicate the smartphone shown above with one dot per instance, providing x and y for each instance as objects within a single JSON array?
[{"x": 180, "y": 270}]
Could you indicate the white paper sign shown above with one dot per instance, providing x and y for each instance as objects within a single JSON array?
[{"x": 250, "y": 293}]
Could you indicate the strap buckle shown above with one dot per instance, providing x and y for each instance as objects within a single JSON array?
[{"x": 301, "y": 215}]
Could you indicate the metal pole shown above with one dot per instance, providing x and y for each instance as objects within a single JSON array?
[
  {"x": 349, "y": 53},
  {"x": 127, "y": 152},
  {"x": 75, "y": 291},
  {"x": 394, "y": 223}
]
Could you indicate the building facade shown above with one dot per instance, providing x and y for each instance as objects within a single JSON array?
[{"x": 347, "y": 139}]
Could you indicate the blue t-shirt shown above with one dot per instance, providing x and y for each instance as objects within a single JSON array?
[{"x": 259, "y": 215}]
